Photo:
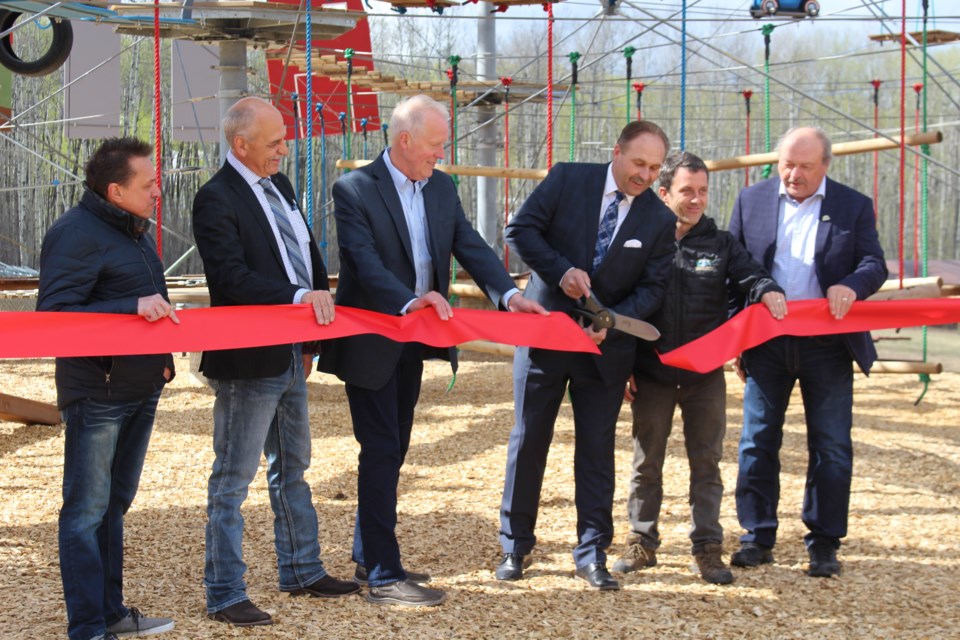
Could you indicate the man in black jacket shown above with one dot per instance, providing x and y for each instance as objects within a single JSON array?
[
  {"x": 696, "y": 301},
  {"x": 98, "y": 258}
]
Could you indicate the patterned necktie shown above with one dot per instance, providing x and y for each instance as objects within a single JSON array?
[
  {"x": 608, "y": 224},
  {"x": 286, "y": 232}
]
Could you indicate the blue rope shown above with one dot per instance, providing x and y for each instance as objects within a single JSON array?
[
  {"x": 323, "y": 185},
  {"x": 296, "y": 148},
  {"x": 683, "y": 78},
  {"x": 309, "y": 111}
]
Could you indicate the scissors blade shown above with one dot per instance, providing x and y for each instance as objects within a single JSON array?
[{"x": 638, "y": 328}]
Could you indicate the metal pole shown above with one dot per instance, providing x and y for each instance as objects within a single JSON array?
[
  {"x": 233, "y": 82},
  {"x": 488, "y": 139}
]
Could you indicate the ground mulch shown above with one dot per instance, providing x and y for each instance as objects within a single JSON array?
[{"x": 901, "y": 560}]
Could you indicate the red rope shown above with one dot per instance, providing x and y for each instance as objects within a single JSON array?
[
  {"x": 506, "y": 81},
  {"x": 918, "y": 87},
  {"x": 157, "y": 113},
  {"x": 903, "y": 130},
  {"x": 548, "y": 6}
]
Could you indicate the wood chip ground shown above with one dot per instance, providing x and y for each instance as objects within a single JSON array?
[{"x": 901, "y": 560}]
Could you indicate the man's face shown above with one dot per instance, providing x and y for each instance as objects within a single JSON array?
[
  {"x": 636, "y": 164},
  {"x": 262, "y": 149},
  {"x": 139, "y": 194},
  {"x": 416, "y": 153},
  {"x": 687, "y": 196},
  {"x": 801, "y": 166}
]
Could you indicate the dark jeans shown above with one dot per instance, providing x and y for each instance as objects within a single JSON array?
[
  {"x": 824, "y": 369},
  {"x": 382, "y": 423},
  {"x": 703, "y": 408},
  {"x": 104, "y": 448},
  {"x": 540, "y": 381}
]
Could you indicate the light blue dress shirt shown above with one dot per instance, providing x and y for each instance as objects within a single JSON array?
[{"x": 794, "y": 263}]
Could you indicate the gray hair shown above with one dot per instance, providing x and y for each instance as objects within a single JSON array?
[
  {"x": 241, "y": 116},
  {"x": 821, "y": 135},
  {"x": 409, "y": 114}
]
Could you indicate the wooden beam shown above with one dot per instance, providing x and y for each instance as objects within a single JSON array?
[{"x": 26, "y": 411}]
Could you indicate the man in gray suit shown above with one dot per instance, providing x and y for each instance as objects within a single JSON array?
[{"x": 399, "y": 221}]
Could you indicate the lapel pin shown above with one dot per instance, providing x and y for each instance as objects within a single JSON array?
[{"x": 825, "y": 219}]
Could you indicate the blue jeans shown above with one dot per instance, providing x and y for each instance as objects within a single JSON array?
[
  {"x": 267, "y": 415},
  {"x": 824, "y": 368},
  {"x": 703, "y": 408},
  {"x": 104, "y": 447}
]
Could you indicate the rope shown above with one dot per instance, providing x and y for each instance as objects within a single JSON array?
[
  {"x": 574, "y": 56},
  {"x": 628, "y": 54},
  {"x": 548, "y": 7},
  {"x": 363, "y": 127},
  {"x": 766, "y": 30},
  {"x": 348, "y": 54},
  {"x": 295, "y": 98},
  {"x": 917, "y": 88},
  {"x": 747, "y": 94},
  {"x": 683, "y": 77},
  {"x": 876, "y": 154},
  {"x": 638, "y": 87},
  {"x": 924, "y": 378},
  {"x": 308, "y": 111},
  {"x": 506, "y": 82},
  {"x": 453, "y": 74},
  {"x": 157, "y": 119},
  {"x": 386, "y": 139},
  {"x": 323, "y": 182},
  {"x": 903, "y": 132}
]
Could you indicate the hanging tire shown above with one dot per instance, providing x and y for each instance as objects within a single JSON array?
[
  {"x": 770, "y": 7},
  {"x": 60, "y": 44},
  {"x": 812, "y": 8}
]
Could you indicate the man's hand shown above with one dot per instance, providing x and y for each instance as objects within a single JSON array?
[
  {"x": 307, "y": 365},
  {"x": 323, "y": 306},
  {"x": 154, "y": 308},
  {"x": 597, "y": 336},
  {"x": 776, "y": 304},
  {"x": 575, "y": 283},
  {"x": 840, "y": 298},
  {"x": 518, "y": 304},
  {"x": 167, "y": 373},
  {"x": 435, "y": 300},
  {"x": 631, "y": 391},
  {"x": 738, "y": 369}
]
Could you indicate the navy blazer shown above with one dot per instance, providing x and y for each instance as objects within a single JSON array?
[
  {"x": 556, "y": 230},
  {"x": 376, "y": 264},
  {"x": 848, "y": 249},
  {"x": 243, "y": 265}
]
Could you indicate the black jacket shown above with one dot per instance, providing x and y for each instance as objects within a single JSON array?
[
  {"x": 706, "y": 261},
  {"x": 97, "y": 258}
]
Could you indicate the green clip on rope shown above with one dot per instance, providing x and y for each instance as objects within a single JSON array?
[
  {"x": 574, "y": 56},
  {"x": 766, "y": 30}
]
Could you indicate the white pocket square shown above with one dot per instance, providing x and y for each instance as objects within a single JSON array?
[{"x": 632, "y": 243}]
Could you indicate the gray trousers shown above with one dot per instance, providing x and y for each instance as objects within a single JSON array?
[{"x": 703, "y": 409}]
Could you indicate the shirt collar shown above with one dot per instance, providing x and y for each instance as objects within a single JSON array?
[
  {"x": 249, "y": 176},
  {"x": 399, "y": 179},
  {"x": 821, "y": 190},
  {"x": 610, "y": 186}
]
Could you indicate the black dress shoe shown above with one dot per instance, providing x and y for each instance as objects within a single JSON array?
[
  {"x": 751, "y": 554},
  {"x": 512, "y": 566},
  {"x": 360, "y": 576},
  {"x": 823, "y": 560},
  {"x": 328, "y": 587},
  {"x": 242, "y": 614},
  {"x": 598, "y": 577}
]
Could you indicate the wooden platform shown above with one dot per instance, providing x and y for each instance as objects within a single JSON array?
[{"x": 936, "y": 36}]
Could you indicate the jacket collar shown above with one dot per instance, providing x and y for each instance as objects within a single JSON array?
[{"x": 130, "y": 224}]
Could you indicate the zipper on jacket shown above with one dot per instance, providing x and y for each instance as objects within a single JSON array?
[{"x": 678, "y": 289}]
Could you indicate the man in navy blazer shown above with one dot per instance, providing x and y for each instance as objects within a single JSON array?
[
  {"x": 587, "y": 228},
  {"x": 257, "y": 249},
  {"x": 399, "y": 221},
  {"x": 818, "y": 238}
]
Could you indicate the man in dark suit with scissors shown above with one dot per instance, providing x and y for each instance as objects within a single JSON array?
[
  {"x": 817, "y": 238},
  {"x": 587, "y": 229},
  {"x": 399, "y": 221},
  {"x": 257, "y": 249}
]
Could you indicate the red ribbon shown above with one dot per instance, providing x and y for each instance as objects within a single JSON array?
[
  {"x": 755, "y": 326},
  {"x": 67, "y": 334}
]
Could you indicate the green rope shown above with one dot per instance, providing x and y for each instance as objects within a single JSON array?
[
  {"x": 925, "y": 149},
  {"x": 574, "y": 56},
  {"x": 766, "y": 30},
  {"x": 348, "y": 54},
  {"x": 628, "y": 54}
]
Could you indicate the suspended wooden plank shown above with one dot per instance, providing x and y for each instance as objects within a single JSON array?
[
  {"x": 16, "y": 409},
  {"x": 937, "y": 36}
]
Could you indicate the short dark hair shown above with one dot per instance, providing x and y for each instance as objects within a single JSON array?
[
  {"x": 111, "y": 162},
  {"x": 639, "y": 127},
  {"x": 680, "y": 160}
]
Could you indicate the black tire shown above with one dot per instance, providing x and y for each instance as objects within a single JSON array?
[
  {"x": 812, "y": 8},
  {"x": 770, "y": 7},
  {"x": 53, "y": 59}
]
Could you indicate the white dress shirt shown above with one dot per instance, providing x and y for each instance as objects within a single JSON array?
[{"x": 794, "y": 266}]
